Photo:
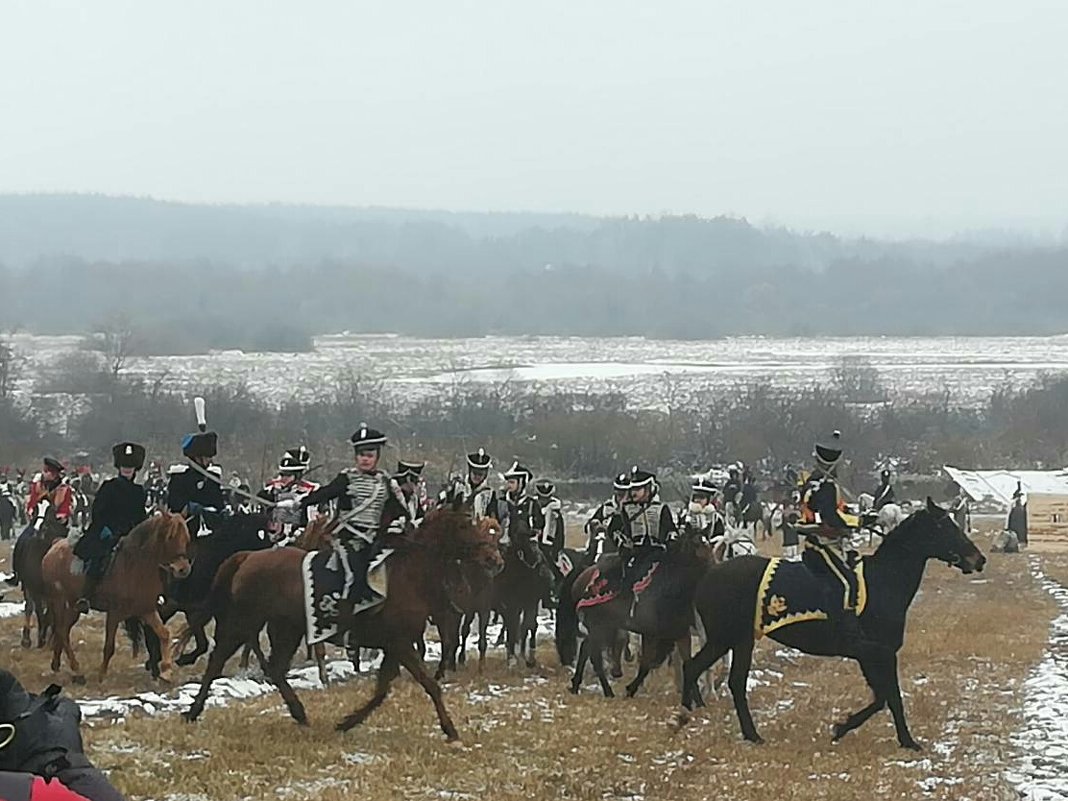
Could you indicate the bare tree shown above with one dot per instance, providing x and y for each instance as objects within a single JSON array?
[{"x": 117, "y": 339}]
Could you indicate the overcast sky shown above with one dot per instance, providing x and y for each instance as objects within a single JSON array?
[{"x": 911, "y": 116}]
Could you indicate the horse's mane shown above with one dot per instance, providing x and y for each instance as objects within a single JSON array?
[
  {"x": 153, "y": 531},
  {"x": 445, "y": 527},
  {"x": 905, "y": 529}
]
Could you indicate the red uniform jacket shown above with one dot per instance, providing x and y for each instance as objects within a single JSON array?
[
  {"x": 26, "y": 787},
  {"x": 61, "y": 498}
]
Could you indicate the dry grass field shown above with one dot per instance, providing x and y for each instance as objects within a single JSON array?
[{"x": 971, "y": 642}]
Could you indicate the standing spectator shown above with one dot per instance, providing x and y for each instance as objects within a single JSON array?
[{"x": 1018, "y": 516}]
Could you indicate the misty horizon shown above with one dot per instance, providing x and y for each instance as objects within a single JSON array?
[{"x": 910, "y": 120}]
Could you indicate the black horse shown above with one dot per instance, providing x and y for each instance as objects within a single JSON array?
[
  {"x": 241, "y": 532},
  {"x": 726, "y": 595},
  {"x": 663, "y": 614}
]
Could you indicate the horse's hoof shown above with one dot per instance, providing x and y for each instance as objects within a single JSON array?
[
  {"x": 617, "y": 673},
  {"x": 838, "y": 731},
  {"x": 166, "y": 677},
  {"x": 345, "y": 724},
  {"x": 185, "y": 660},
  {"x": 912, "y": 745},
  {"x": 190, "y": 715},
  {"x": 574, "y": 689},
  {"x": 79, "y": 679},
  {"x": 682, "y": 717},
  {"x": 756, "y": 739},
  {"x": 532, "y": 662}
]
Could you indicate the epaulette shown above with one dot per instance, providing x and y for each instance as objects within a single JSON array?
[{"x": 175, "y": 469}]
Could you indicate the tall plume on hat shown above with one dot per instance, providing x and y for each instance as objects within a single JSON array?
[{"x": 202, "y": 418}]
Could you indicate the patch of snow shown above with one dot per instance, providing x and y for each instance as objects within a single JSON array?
[
  {"x": 1042, "y": 773},
  {"x": 223, "y": 692}
]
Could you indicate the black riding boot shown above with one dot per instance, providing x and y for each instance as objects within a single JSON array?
[{"x": 83, "y": 604}]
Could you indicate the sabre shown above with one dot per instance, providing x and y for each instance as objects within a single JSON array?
[{"x": 236, "y": 490}]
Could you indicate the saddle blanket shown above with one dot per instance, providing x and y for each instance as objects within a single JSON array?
[
  {"x": 358, "y": 576},
  {"x": 603, "y": 586},
  {"x": 789, "y": 593}
]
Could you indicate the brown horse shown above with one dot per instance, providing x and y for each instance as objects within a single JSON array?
[
  {"x": 424, "y": 572},
  {"x": 26, "y": 561},
  {"x": 315, "y": 537},
  {"x": 130, "y": 589}
]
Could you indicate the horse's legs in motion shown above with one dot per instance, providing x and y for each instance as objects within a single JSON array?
[
  {"x": 414, "y": 665},
  {"x": 741, "y": 661},
  {"x": 596, "y": 642},
  {"x": 530, "y": 629},
  {"x": 615, "y": 653},
  {"x": 110, "y": 628},
  {"x": 510, "y": 618},
  {"x": 44, "y": 621},
  {"x": 227, "y": 641},
  {"x": 580, "y": 665},
  {"x": 61, "y": 642},
  {"x": 156, "y": 624},
  {"x": 284, "y": 643},
  {"x": 27, "y": 617},
  {"x": 711, "y": 653},
  {"x": 651, "y": 658},
  {"x": 483, "y": 642},
  {"x": 859, "y": 718},
  {"x": 387, "y": 672},
  {"x": 465, "y": 631},
  {"x": 319, "y": 650},
  {"x": 886, "y": 669}
]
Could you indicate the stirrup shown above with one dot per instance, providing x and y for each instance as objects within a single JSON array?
[{"x": 83, "y": 606}]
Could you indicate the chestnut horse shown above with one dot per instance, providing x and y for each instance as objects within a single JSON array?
[
  {"x": 424, "y": 574},
  {"x": 130, "y": 589}
]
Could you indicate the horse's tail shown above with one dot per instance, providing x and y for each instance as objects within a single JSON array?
[
  {"x": 567, "y": 622},
  {"x": 219, "y": 597}
]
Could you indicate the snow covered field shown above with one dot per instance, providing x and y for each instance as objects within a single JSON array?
[{"x": 969, "y": 367}]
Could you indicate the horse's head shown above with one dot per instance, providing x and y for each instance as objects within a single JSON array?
[
  {"x": 692, "y": 543},
  {"x": 173, "y": 544},
  {"x": 464, "y": 542},
  {"x": 933, "y": 533}
]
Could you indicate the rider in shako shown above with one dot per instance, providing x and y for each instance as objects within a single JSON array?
[
  {"x": 189, "y": 489},
  {"x": 409, "y": 478},
  {"x": 643, "y": 528},
  {"x": 885, "y": 494},
  {"x": 828, "y": 552},
  {"x": 289, "y": 484},
  {"x": 51, "y": 487},
  {"x": 369, "y": 505},
  {"x": 701, "y": 514},
  {"x": 119, "y": 505},
  {"x": 732, "y": 492},
  {"x": 476, "y": 489},
  {"x": 551, "y": 534},
  {"x": 596, "y": 528}
]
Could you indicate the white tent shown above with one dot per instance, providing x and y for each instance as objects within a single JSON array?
[{"x": 999, "y": 485}]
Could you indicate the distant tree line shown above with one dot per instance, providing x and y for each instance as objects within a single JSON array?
[
  {"x": 565, "y": 435},
  {"x": 192, "y": 278}
]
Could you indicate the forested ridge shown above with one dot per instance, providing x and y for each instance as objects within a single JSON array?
[{"x": 268, "y": 277}]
